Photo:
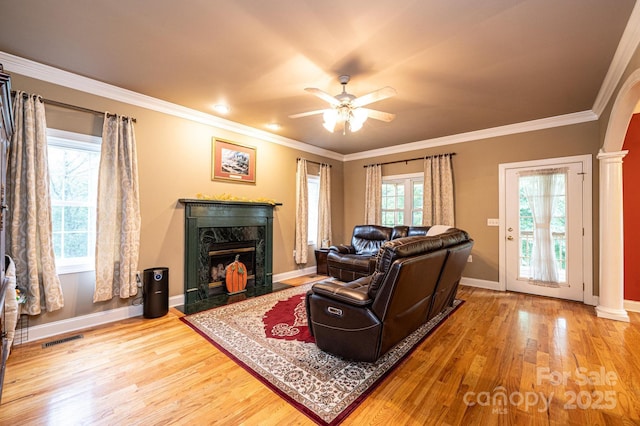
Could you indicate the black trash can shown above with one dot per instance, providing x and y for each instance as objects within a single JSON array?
[{"x": 156, "y": 292}]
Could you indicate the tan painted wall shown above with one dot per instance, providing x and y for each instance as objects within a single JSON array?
[
  {"x": 174, "y": 161},
  {"x": 476, "y": 183},
  {"x": 174, "y": 156}
]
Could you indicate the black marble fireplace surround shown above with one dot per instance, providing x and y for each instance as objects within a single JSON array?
[{"x": 215, "y": 231}]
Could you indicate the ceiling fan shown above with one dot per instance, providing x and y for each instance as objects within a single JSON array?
[{"x": 346, "y": 108}]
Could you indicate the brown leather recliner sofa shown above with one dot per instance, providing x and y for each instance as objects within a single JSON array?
[
  {"x": 415, "y": 279},
  {"x": 349, "y": 262}
]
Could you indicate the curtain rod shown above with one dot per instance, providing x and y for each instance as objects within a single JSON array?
[
  {"x": 69, "y": 106},
  {"x": 410, "y": 159},
  {"x": 311, "y": 161}
]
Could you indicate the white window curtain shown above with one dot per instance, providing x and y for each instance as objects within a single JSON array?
[
  {"x": 118, "y": 213},
  {"x": 302, "y": 205},
  {"x": 373, "y": 195},
  {"x": 542, "y": 190},
  {"x": 29, "y": 230},
  {"x": 324, "y": 204},
  {"x": 438, "y": 201}
]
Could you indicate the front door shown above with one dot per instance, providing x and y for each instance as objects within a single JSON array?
[{"x": 543, "y": 229}]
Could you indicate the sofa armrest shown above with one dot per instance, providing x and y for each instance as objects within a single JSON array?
[
  {"x": 354, "y": 293},
  {"x": 344, "y": 249}
]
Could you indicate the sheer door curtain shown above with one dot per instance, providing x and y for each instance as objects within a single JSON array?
[{"x": 543, "y": 189}]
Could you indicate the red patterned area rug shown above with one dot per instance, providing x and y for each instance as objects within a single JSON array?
[{"x": 269, "y": 337}]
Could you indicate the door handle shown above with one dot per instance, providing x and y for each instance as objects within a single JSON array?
[{"x": 510, "y": 238}]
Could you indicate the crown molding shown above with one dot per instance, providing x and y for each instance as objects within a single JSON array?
[
  {"x": 60, "y": 77},
  {"x": 53, "y": 75},
  {"x": 527, "y": 126},
  {"x": 626, "y": 48}
]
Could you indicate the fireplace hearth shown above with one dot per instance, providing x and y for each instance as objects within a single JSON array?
[{"x": 215, "y": 233}]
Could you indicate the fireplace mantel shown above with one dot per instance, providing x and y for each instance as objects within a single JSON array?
[
  {"x": 204, "y": 201},
  {"x": 227, "y": 219}
]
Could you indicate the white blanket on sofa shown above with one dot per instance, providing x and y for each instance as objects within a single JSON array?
[
  {"x": 10, "y": 301},
  {"x": 437, "y": 229}
]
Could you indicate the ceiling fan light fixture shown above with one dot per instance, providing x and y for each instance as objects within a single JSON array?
[
  {"x": 345, "y": 108},
  {"x": 355, "y": 125},
  {"x": 329, "y": 126},
  {"x": 330, "y": 117},
  {"x": 360, "y": 115},
  {"x": 344, "y": 114}
]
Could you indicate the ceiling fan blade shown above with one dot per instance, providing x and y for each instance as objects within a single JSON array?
[
  {"x": 305, "y": 114},
  {"x": 379, "y": 115},
  {"x": 323, "y": 95},
  {"x": 378, "y": 95}
]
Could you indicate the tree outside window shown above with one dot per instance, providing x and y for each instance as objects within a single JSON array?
[
  {"x": 402, "y": 200},
  {"x": 313, "y": 200},
  {"x": 73, "y": 173}
]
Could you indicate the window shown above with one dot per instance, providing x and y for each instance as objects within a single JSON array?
[
  {"x": 313, "y": 198},
  {"x": 557, "y": 224},
  {"x": 73, "y": 173},
  {"x": 402, "y": 199}
]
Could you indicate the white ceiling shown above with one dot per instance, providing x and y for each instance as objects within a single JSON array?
[{"x": 457, "y": 65}]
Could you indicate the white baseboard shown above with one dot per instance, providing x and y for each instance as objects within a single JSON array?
[
  {"x": 294, "y": 274},
  {"x": 474, "y": 282},
  {"x": 44, "y": 331},
  {"x": 632, "y": 305}
]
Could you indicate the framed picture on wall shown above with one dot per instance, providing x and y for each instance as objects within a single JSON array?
[{"x": 232, "y": 161}]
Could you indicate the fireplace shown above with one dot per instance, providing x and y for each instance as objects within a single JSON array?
[
  {"x": 219, "y": 248},
  {"x": 215, "y": 233},
  {"x": 221, "y": 255}
]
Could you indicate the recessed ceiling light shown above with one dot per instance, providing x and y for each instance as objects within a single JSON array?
[
  {"x": 221, "y": 108},
  {"x": 273, "y": 126}
]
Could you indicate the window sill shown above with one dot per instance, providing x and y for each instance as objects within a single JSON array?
[{"x": 74, "y": 269}]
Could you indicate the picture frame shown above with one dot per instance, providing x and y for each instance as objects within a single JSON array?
[{"x": 232, "y": 162}]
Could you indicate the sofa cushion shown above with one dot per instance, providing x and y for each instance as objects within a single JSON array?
[
  {"x": 351, "y": 262},
  {"x": 418, "y": 230},
  {"x": 341, "y": 248},
  {"x": 453, "y": 237},
  {"x": 354, "y": 292},
  {"x": 399, "y": 231},
  {"x": 398, "y": 248},
  {"x": 367, "y": 239}
]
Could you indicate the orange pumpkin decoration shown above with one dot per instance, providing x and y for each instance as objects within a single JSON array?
[{"x": 236, "y": 276}]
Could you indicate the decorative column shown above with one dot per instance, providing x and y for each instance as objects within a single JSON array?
[{"x": 611, "y": 299}]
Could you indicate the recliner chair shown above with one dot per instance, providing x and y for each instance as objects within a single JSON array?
[
  {"x": 349, "y": 262},
  {"x": 415, "y": 278}
]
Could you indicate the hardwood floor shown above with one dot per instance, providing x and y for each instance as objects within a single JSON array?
[{"x": 497, "y": 347}]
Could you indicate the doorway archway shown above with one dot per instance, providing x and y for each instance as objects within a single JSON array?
[{"x": 611, "y": 259}]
